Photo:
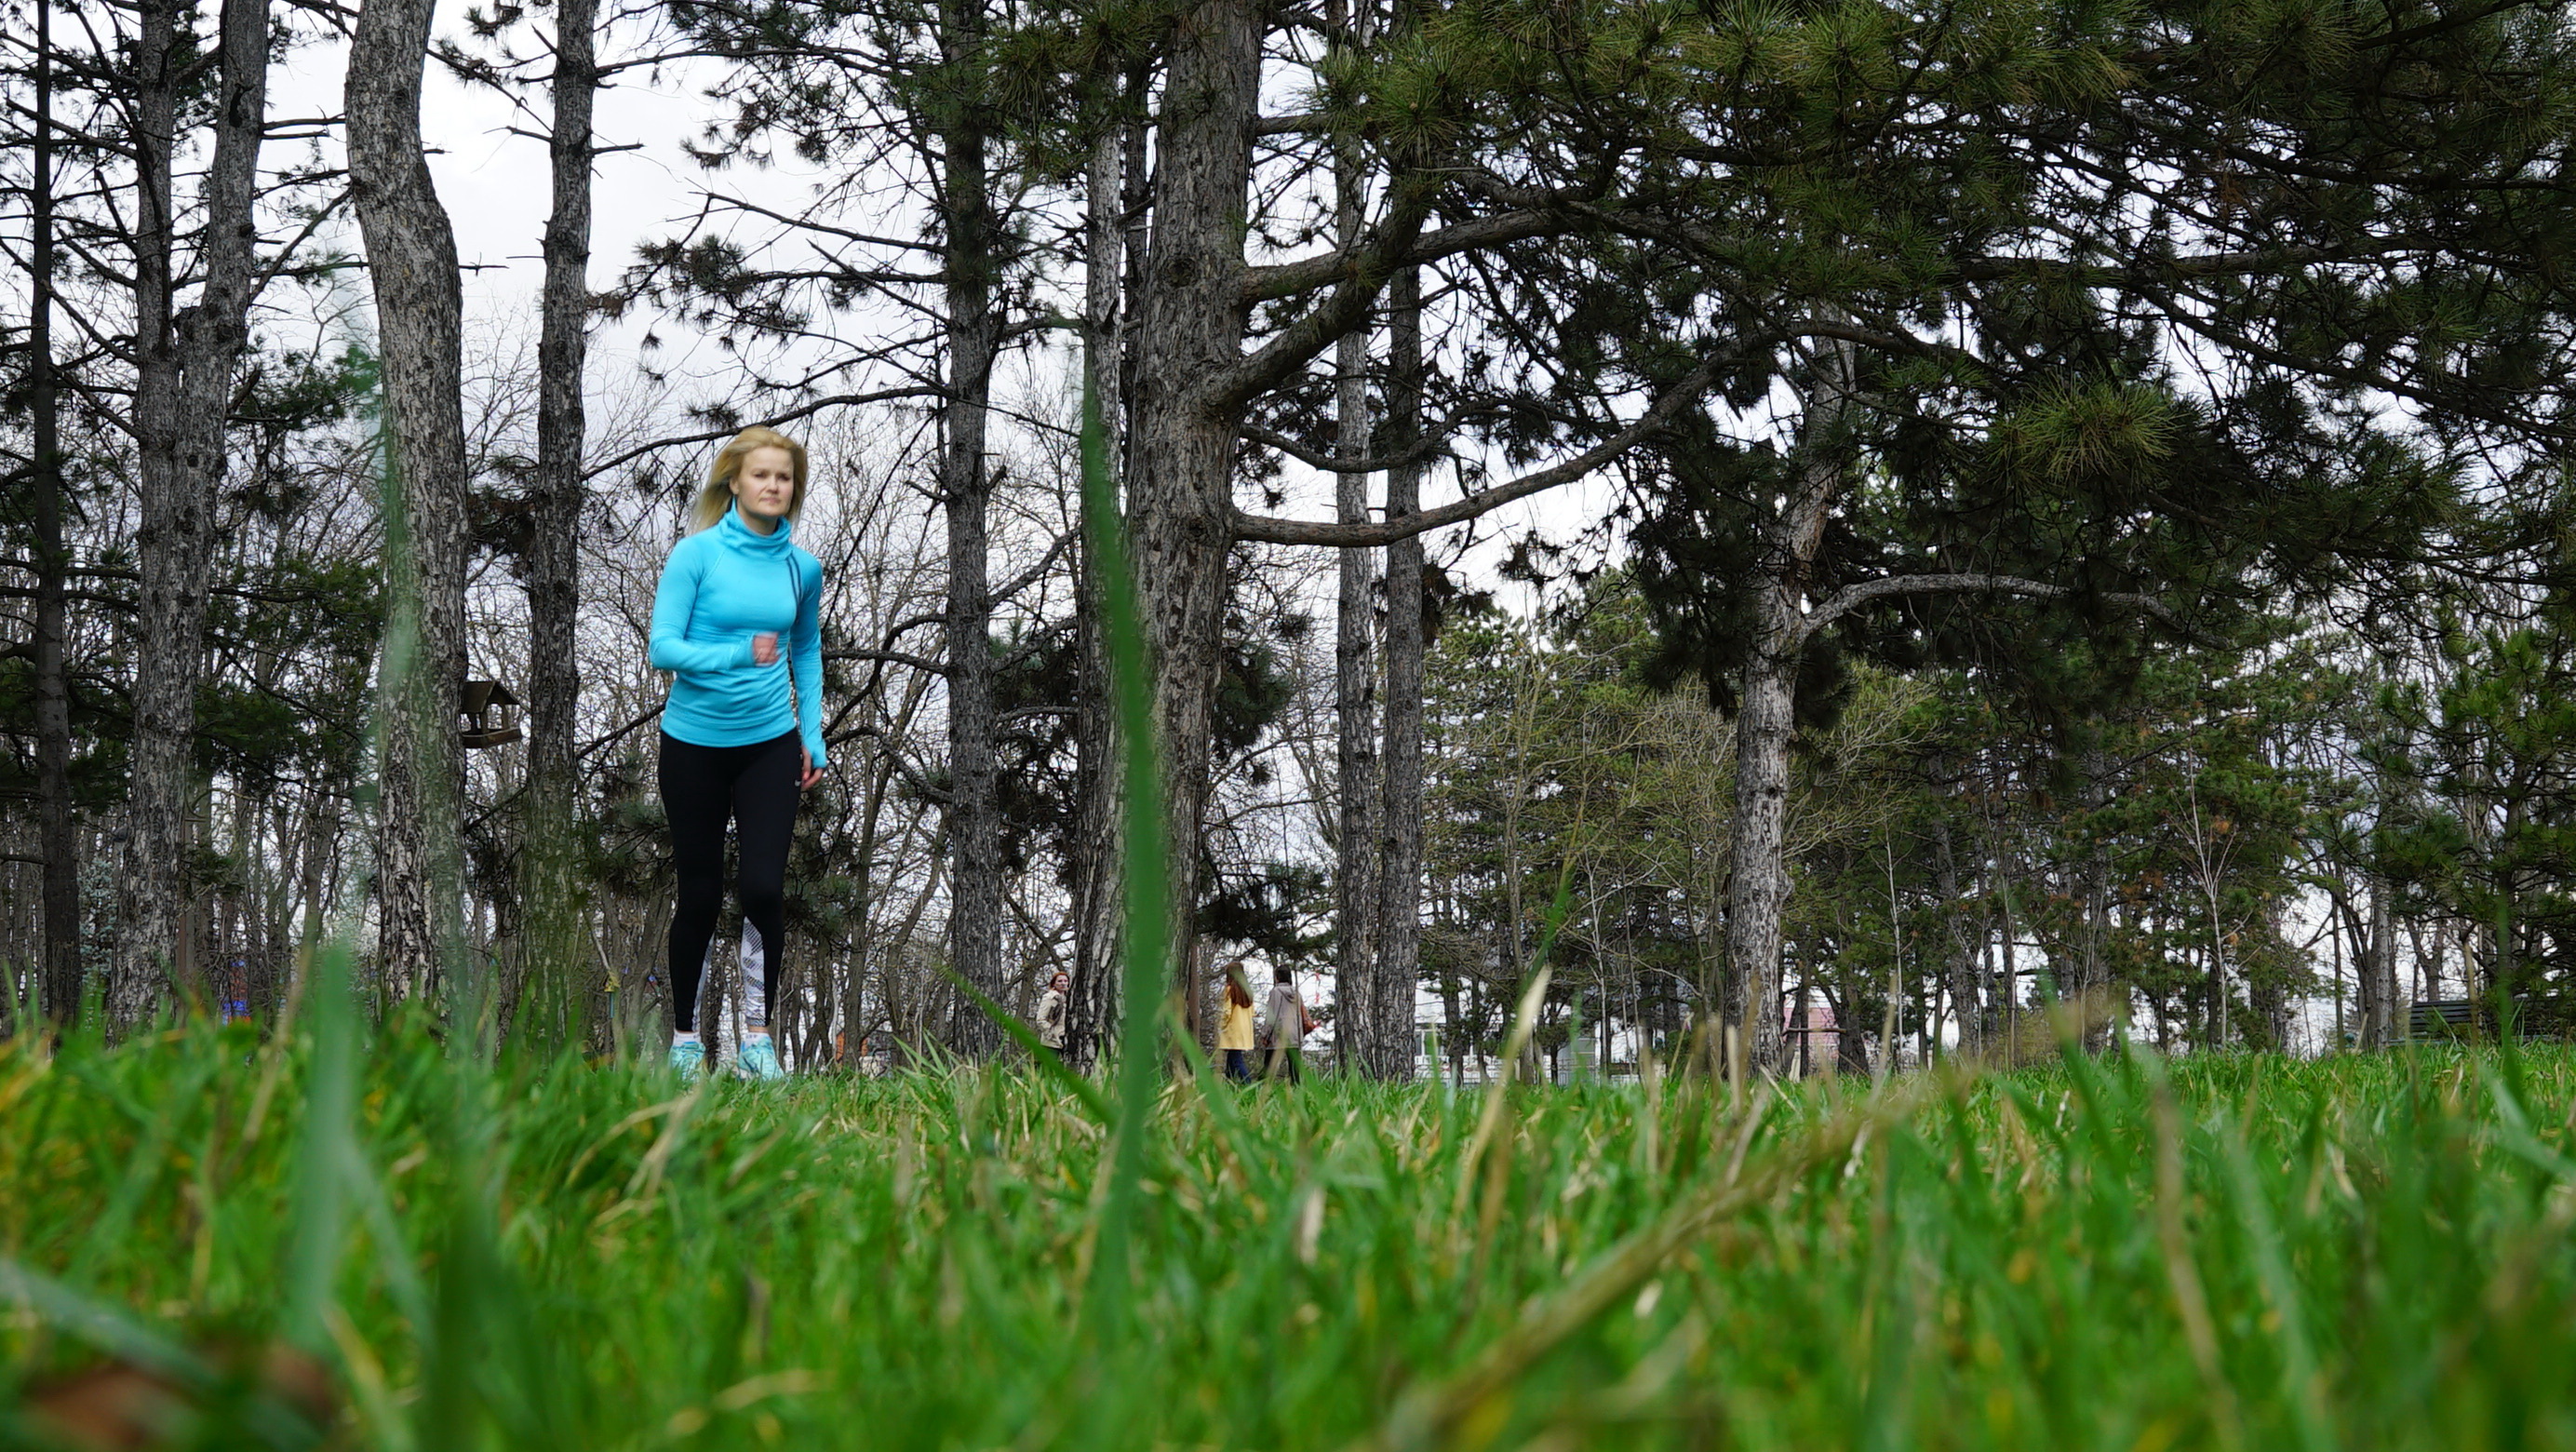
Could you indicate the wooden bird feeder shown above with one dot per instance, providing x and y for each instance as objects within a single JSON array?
[{"x": 490, "y": 715}]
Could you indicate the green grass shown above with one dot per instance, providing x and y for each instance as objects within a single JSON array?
[{"x": 2362, "y": 1253}]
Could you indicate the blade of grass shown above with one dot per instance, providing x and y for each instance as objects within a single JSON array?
[
  {"x": 2302, "y": 1383},
  {"x": 325, "y": 1159},
  {"x": 2182, "y": 1273},
  {"x": 261, "y": 1420},
  {"x": 1524, "y": 1024},
  {"x": 149, "y": 1159},
  {"x": 1144, "y": 877},
  {"x": 103, "y": 1326}
]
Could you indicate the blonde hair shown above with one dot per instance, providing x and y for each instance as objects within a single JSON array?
[{"x": 717, "y": 497}]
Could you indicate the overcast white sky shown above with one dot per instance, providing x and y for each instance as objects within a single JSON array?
[{"x": 494, "y": 182}]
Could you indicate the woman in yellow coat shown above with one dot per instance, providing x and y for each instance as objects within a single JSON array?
[{"x": 1234, "y": 1031}]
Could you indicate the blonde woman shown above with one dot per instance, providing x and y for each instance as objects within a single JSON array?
[{"x": 738, "y": 745}]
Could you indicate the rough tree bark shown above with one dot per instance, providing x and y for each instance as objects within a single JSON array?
[
  {"x": 2092, "y": 963},
  {"x": 1399, "y": 930},
  {"x": 1112, "y": 198},
  {"x": 61, "y": 973},
  {"x": 1966, "y": 999},
  {"x": 1190, "y": 323},
  {"x": 1196, "y": 384},
  {"x": 2383, "y": 1001},
  {"x": 1355, "y": 878},
  {"x": 168, "y": 540},
  {"x": 411, "y": 259},
  {"x": 2381, "y": 1020},
  {"x": 183, "y": 381},
  {"x": 554, "y": 943},
  {"x": 974, "y": 810},
  {"x": 1765, "y": 722}
]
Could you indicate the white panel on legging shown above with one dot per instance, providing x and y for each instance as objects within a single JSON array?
[{"x": 755, "y": 978}]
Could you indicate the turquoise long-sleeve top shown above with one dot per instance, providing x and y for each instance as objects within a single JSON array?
[{"x": 720, "y": 587}]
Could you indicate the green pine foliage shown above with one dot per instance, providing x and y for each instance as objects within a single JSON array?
[{"x": 2487, "y": 826}]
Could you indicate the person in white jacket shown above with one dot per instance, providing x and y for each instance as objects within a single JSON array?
[{"x": 1289, "y": 1025}]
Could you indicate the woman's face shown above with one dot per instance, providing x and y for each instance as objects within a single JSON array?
[
  {"x": 1060, "y": 983},
  {"x": 766, "y": 484}
]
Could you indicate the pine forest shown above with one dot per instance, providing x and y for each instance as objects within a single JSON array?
[{"x": 1751, "y": 622}]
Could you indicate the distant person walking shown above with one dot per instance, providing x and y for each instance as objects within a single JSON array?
[
  {"x": 738, "y": 746},
  {"x": 1289, "y": 1025},
  {"x": 1051, "y": 1007},
  {"x": 1234, "y": 1031}
]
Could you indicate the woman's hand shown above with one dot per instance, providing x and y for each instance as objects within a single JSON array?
[
  {"x": 806, "y": 779},
  {"x": 764, "y": 648}
]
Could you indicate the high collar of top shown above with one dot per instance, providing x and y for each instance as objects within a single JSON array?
[{"x": 739, "y": 535}]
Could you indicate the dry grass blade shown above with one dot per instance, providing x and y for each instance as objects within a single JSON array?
[
  {"x": 1426, "y": 1416},
  {"x": 1524, "y": 1023}
]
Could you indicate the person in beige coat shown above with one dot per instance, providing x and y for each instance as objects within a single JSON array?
[
  {"x": 1289, "y": 1025},
  {"x": 1051, "y": 1011}
]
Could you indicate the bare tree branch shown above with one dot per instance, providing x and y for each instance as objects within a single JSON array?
[
  {"x": 890, "y": 657},
  {"x": 1433, "y": 445},
  {"x": 803, "y": 410},
  {"x": 1268, "y": 530},
  {"x": 1851, "y": 597},
  {"x": 1288, "y": 279}
]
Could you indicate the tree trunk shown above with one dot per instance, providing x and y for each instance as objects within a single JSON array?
[
  {"x": 1400, "y": 842},
  {"x": 60, "y": 890},
  {"x": 1765, "y": 723},
  {"x": 2381, "y": 1024},
  {"x": 554, "y": 935},
  {"x": 1851, "y": 1046},
  {"x": 2217, "y": 1018},
  {"x": 1093, "y": 1005},
  {"x": 1965, "y": 999},
  {"x": 168, "y": 542},
  {"x": 1355, "y": 878},
  {"x": 974, "y": 816},
  {"x": 411, "y": 258},
  {"x": 1189, "y": 331},
  {"x": 210, "y": 337},
  {"x": 2011, "y": 955},
  {"x": 184, "y": 375},
  {"x": 1759, "y": 888},
  {"x": 863, "y": 895},
  {"x": 1194, "y": 384},
  {"x": 237, "y": 949},
  {"x": 2093, "y": 971}
]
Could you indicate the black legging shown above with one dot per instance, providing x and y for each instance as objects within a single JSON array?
[{"x": 703, "y": 787}]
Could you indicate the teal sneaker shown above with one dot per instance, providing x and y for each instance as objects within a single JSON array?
[
  {"x": 688, "y": 1060},
  {"x": 758, "y": 1058}
]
